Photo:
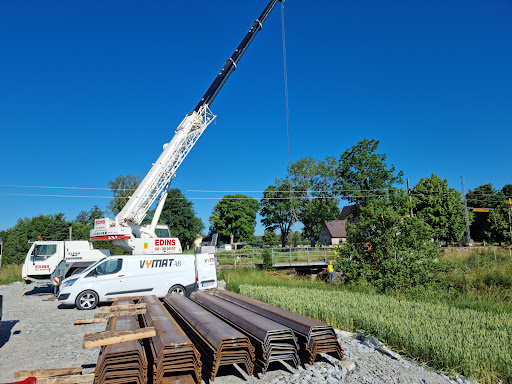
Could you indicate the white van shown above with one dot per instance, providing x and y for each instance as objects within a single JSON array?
[{"x": 139, "y": 275}]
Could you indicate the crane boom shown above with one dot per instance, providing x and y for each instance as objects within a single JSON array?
[
  {"x": 231, "y": 63},
  {"x": 156, "y": 183}
]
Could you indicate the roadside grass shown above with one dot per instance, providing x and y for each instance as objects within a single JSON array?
[
  {"x": 248, "y": 275},
  {"x": 10, "y": 273},
  {"x": 472, "y": 343},
  {"x": 479, "y": 270},
  {"x": 479, "y": 279}
]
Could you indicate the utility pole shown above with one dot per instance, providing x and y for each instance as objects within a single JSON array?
[
  {"x": 466, "y": 209},
  {"x": 409, "y": 193},
  {"x": 510, "y": 220}
]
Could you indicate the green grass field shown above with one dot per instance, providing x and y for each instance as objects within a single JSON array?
[
  {"x": 474, "y": 343},
  {"x": 10, "y": 273},
  {"x": 461, "y": 324}
]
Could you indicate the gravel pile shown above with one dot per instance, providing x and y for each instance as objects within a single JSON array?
[{"x": 39, "y": 334}]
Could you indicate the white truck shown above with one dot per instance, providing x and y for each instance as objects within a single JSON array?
[
  {"x": 44, "y": 257},
  {"x": 53, "y": 261}
]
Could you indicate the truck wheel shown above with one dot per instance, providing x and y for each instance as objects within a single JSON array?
[
  {"x": 178, "y": 290},
  {"x": 87, "y": 300}
]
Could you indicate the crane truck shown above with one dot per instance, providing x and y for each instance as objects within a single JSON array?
[{"x": 126, "y": 229}]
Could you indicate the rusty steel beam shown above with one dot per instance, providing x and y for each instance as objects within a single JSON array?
[
  {"x": 171, "y": 351},
  {"x": 314, "y": 336},
  {"x": 273, "y": 341},
  {"x": 122, "y": 362},
  {"x": 219, "y": 343}
]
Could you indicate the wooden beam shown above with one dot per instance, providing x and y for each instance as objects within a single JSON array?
[
  {"x": 125, "y": 298},
  {"x": 47, "y": 372},
  {"x": 120, "y": 313},
  {"x": 114, "y": 307},
  {"x": 90, "y": 321},
  {"x": 99, "y": 339},
  {"x": 73, "y": 379}
]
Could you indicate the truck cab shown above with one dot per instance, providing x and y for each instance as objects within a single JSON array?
[{"x": 44, "y": 256}]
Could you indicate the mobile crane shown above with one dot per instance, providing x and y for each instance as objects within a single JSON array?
[{"x": 126, "y": 231}]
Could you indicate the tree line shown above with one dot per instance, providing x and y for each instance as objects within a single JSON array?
[{"x": 309, "y": 194}]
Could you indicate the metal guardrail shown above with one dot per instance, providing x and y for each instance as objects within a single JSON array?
[{"x": 251, "y": 257}]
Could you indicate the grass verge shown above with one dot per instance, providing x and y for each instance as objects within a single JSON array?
[{"x": 10, "y": 273}]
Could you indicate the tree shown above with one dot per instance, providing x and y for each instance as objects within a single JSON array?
[
  {"x": 122, "y": 188},
  {"x": 316, "y": 177},
  {"x": 234, "y": 218},
  {"x": 88, "y": 217},
  {"x": 42, "y": 227},
  {"x": 498, "y": 228},
  {"x": 362, "y": 174},
  {"x": 279, "y": 207},
  {"x": 315, "y": 213},
  {"x": 270, "y": 238},
  {"x": 16, "y": 243},
  {"x": 440, "y": 207},
  {"x": 483, "y": 196},
  {"x": 388, "y": 249},
  {"x": 507, "y": 191},
  {"x": 178, "y": 214}
]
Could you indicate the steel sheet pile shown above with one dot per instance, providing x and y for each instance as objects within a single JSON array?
[
  {"x": 123, "y": 362},
  {"x": 273, "y": 341},
  {"x": 171, "y": 354},
  {"x": 314, "y": 336},
  {"x": 219, "y": 343}
]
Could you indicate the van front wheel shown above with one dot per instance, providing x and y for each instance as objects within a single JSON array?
[
  {"x": 87, "y": 300},
  {"x": 177, "y": 290}
]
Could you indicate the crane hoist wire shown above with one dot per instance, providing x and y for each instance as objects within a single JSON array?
[
  {"x": 287, "y": 109},
  {"x": 283, "y": 34}
]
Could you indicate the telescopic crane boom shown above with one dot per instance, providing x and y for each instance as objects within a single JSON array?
[{"x": 125, "y": 230}]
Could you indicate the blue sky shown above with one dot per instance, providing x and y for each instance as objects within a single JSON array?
[{"x": 92, "y": 90}]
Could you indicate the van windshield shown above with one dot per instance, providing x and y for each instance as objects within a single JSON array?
[{"x": 94, "y": 265}]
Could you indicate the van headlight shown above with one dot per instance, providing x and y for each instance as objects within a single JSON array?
[{"x": 68, "y": 283}]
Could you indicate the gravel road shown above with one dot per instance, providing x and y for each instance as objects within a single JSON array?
[{"x": 39, "y": 334}]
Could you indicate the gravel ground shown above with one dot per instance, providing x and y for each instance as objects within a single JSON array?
[{"x": 39, "y": 334}]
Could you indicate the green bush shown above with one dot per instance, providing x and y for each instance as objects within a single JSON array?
[{"x": 266, "y": 256}]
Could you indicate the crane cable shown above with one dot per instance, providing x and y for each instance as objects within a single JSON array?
[
  {"x": 293, "y": 214},
  {"x": 285, "y": 83}
]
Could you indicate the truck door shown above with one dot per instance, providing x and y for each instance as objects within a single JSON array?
[
  {"x": 42, "y": 260},
  {"x": 109, "y": 278},
  {"x": 206, "y": 268}
]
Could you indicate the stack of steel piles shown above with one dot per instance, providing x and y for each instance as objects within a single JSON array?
[
  {"x": 273, "y": 341},
  {"x": 123, "y": 362},
  {"x": 170, "y": 352},
  {"x": 314, "y": 336},
  {"x": 218, "y": 342}
]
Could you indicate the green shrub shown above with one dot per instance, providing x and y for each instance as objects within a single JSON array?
[{"x": 266, "y": 256}]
